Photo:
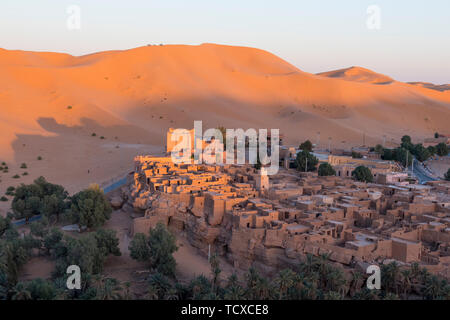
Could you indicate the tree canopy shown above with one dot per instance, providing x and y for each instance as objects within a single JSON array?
[
  {"x": 362, "y": 173},
  {"x": 90, "y": 208},
  {"x": 306, "y": 160},
  {"x": 325, "y": 169},
  {"x": 156, "y": 249}
]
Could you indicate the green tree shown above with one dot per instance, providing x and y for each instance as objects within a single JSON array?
[
  {"x": 432, "y": 150},
  {"x": 139, "y": 249},
  {"x": 356, "y": 155},
  {"x": 362, "y": 173},
  {"x": 325, "y": 169},
  {"x": 40, "y": 197},
  {"x": 441, "y": 149},
  {"x": 379, "y": 149},
  {"x": 162, "y": 245},
  {"x": 306, "y": 160},
  {"x": 90, "y": 208},
  {"x": 306, "y": 146},
  {"x": 157, "y": 249},
  {"x": 406, "y": 142},
  {"x": 421, "y": 153}
]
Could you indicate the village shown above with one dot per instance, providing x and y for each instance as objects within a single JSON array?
[{"x": 271, "y": 221}]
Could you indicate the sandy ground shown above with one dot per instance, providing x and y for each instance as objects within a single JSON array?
[
  {"x": 190, "y": 263},
  {"x": 52, "y": 104}
]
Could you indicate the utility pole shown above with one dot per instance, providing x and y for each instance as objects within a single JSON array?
[
  {"x": 384, "y": 141},
  {"x": 306, "y": 167},
  {"x": 364, "y": 139},
  {"x": 318, "y": 138},
  {"x": 209, "y": 253},
  {"x": 329, "y": 144}
]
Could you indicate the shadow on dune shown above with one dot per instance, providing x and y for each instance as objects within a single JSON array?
[{"x": 79, "y": 140}]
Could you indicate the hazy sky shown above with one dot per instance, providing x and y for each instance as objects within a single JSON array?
[{"x": 412, "y": 43}]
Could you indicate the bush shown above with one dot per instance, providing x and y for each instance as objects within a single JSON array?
[
  {"x": 90, "y": 208},
  {"x": 325, "y": 169},
  {"x": 307, "y": 145},
  {"x": 362, "y": 173},
  {"x": 16, "y": 176},
  {"x": 102, "y": 137},
  {"x": 306, "y": 160},
  {"x": 4, "y": 199},
  {"x": 10, "y": 191},
  {"x": 40, "y": 197},
  {"x": 94, "y": 134},
  {"x": 441, "y": 149},
  {"x": 39, "y": 158},
  {"x": 23, "y": 166},
  {"x": 156, "y": 249},
  {"x": 356, "y": 155}
]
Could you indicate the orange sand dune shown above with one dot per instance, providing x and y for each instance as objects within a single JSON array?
[
  {"x": 438, "y": 87},
  {"x": 51, "y": 103},
  {"x": 358, "y": 74}
]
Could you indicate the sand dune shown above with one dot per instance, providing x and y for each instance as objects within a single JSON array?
[
  {"x": 51, "y": 103},
  {"x": 358, "y": 74},
  {"x": 438, "y": 87}
]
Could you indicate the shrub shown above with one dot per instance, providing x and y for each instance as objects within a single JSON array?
[
  {"x": 156, "y": 249},
  {"x": 10, "y": 191},
  {"x": 39, "y": 158},
  {"x": 90, "y": 208},
  {"x": 306, "y": 161},
  {"x": 325, "y": 169},
  {"x": 102, "y": 137},
  {"x": 23, "y": 166},
  {"x": 442, "y": 149},
  {"x": 40, "y": 197},
  {"x": 16, "y": 176},
  {"x": 356, "y": 155},
  {"x": 93, "y": 134},
  {"x": 25, "y": 173},
  {"x": 362, "y": 173},
  {"x": 4, "y": 199},
  {"x": 307, "y": 145}
]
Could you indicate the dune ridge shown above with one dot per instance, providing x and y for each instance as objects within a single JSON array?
[{"x": 131, "y": 97}]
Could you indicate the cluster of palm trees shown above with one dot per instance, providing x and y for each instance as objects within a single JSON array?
[{"x": 314, "y": 278}]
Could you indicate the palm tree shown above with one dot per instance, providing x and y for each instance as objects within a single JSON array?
[
  {"x": 127, "y": 295},
  {"x": 433, "y": 287},
  {"x": 284, "y": 281},
  {"x": 107, "y": 288},
  {"x": 406, "y": 282},
  {"x": 333, "y": 295},
  {"x": 234, "y": 292},
  {"x": 171, "y": 294},
  {"x": 152, "y": 293},
  {"x": 20, "y": 292},
  {"x": 391, "y": 277},
  {"x": 356, "y": 282}
]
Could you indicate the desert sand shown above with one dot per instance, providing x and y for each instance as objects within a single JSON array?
[{"x": 52, "y": 103}]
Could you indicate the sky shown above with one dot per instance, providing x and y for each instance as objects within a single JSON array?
[{"x": 408, "y": 40}]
